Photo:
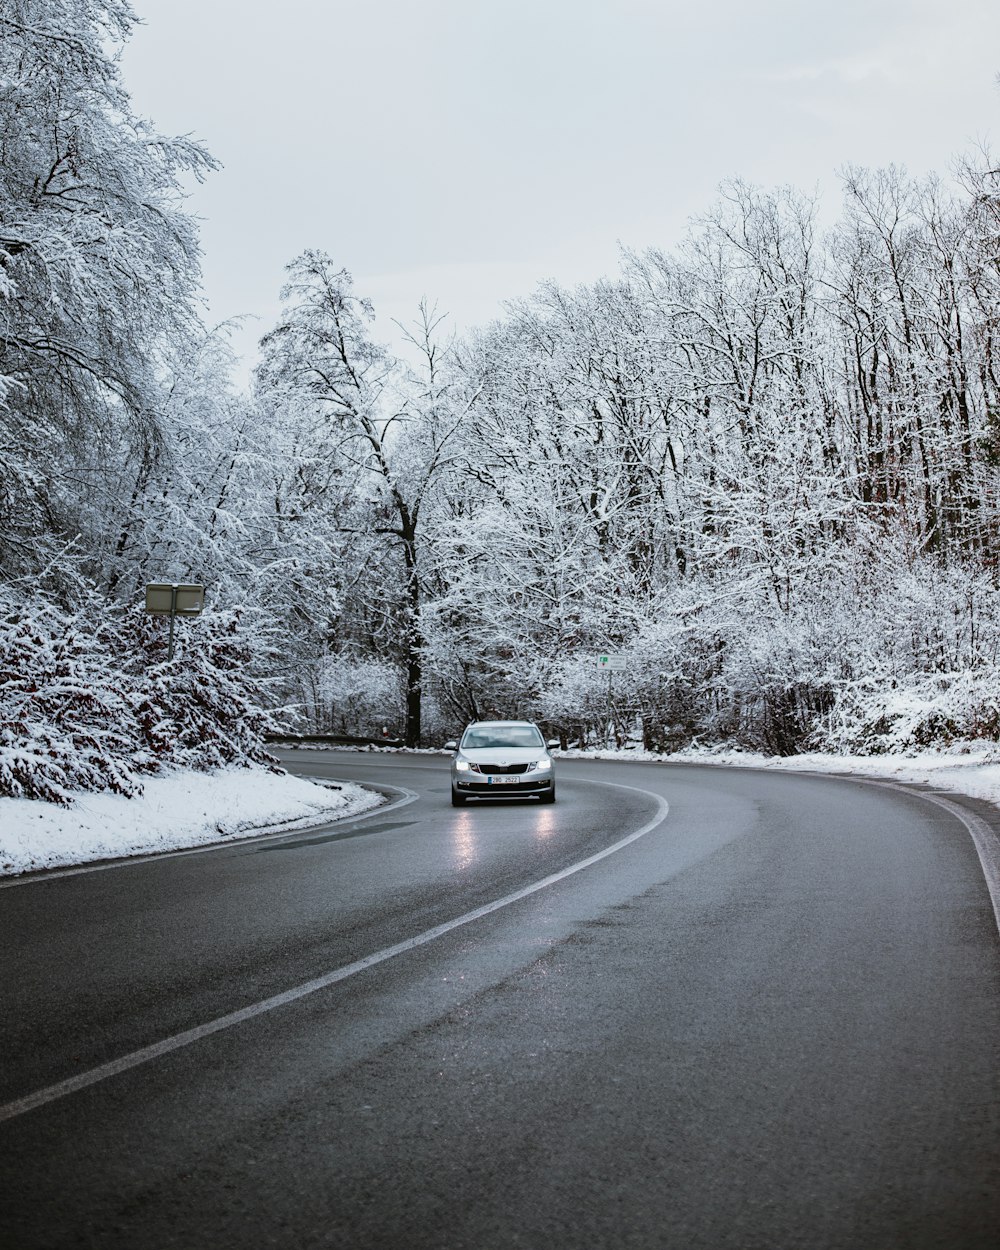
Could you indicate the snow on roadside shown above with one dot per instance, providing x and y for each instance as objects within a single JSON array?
[
  {"x": 188, "y": 809},
  {"x": 967, "y": 769},
  {"x": 177, "y": 810},
  {"x": 972, "y": 772}
]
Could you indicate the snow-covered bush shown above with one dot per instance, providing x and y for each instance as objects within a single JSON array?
[
  {"x": 66, "y": 721},
  {"x": 347, "y": 694},
  {"x": 879, "y": 715},
  {"x": 89, "y": 702},
  {"x": 574, "y": 702},
  {"x": 198, "y": 710}
]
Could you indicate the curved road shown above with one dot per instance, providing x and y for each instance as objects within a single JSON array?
[{"x": 766, "y": 1017}]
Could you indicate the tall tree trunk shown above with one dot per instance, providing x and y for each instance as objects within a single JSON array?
[{"x": 414, "y": 645}]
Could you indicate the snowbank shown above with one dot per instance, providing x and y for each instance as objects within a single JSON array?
[
  {"x": 972, "y": 772},
  {"x": 187, "y": 809},
  {"x": 968, "y": 769},
  {"x": 176, "y": 810}
]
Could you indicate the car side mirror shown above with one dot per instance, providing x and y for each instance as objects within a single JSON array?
[
  {"x": 451, "y": 746},
  {"x": 554, "y": 742}
]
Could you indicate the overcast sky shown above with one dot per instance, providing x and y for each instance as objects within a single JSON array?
[{"x": 468, "y": 149}]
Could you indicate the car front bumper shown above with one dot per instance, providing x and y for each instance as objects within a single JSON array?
[{"x": 483, "y": 788}]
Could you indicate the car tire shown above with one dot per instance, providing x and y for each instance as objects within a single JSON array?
[
  {"x": 457, "y": 800},
  {"x": 548, "y": 798}
]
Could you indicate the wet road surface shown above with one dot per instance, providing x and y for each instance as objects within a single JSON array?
[{"x": 771, "y": 1020}]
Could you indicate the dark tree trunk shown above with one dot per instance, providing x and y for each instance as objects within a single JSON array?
[{"x": 414, "y": 642}]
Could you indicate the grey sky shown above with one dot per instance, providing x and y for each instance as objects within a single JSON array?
[{"x": 467, "y": 149}]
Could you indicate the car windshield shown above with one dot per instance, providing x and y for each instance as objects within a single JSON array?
[{"x": 502, "y": 736}]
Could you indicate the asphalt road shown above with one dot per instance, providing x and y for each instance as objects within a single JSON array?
[{"x": 771, "y": 1019}]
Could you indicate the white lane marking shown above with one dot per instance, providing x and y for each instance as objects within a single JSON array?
[
  {"x": 294, "y": 829},
  {"x": 61, "y": 1089}
]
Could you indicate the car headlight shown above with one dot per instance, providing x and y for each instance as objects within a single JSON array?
[
  {"x": 463, "y": 766},
  {"x": 540, "y": 765}
]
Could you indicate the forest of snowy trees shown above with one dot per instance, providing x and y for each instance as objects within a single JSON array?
[{"x": 762, "y": 465}]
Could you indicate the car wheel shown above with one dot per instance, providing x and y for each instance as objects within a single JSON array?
[
  {"x": 548, "y": 798},
  {"x": 457, "y": 800}
]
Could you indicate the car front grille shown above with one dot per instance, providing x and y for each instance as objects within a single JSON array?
[{"x": 503, "y": 768}]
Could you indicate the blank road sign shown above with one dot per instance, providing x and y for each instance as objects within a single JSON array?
[
  {"x": 190, "y": 600},
  {"x": 184, "y": 600},
  {"x": 159, "y": 597}
]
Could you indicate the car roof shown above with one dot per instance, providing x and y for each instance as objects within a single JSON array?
[{"x": 501, "y": 722}]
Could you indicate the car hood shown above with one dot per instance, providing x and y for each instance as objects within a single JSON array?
[{"x": 503, "y": 755}]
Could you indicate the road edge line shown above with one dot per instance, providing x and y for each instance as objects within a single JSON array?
[{"x": 984, "y": 839}]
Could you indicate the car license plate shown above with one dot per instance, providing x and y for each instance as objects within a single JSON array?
[{"x": 503, "y": 781}]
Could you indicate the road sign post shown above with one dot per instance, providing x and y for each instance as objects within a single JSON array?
[{"x": 611, "y": 664}]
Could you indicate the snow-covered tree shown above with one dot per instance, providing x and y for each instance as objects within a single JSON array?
[
  {"x": 98, "y": 266},
  {"x": 385, "y": 434}
]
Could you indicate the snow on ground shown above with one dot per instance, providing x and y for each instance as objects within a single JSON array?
[
  {"x": 187, "y": 809},
  {"x": 971, "y": 771},
  {"x": 177, "y": 810},
  {"x": 967, "y": 769}
]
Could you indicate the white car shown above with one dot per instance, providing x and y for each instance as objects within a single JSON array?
[{"x": 502, "y": 759}]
